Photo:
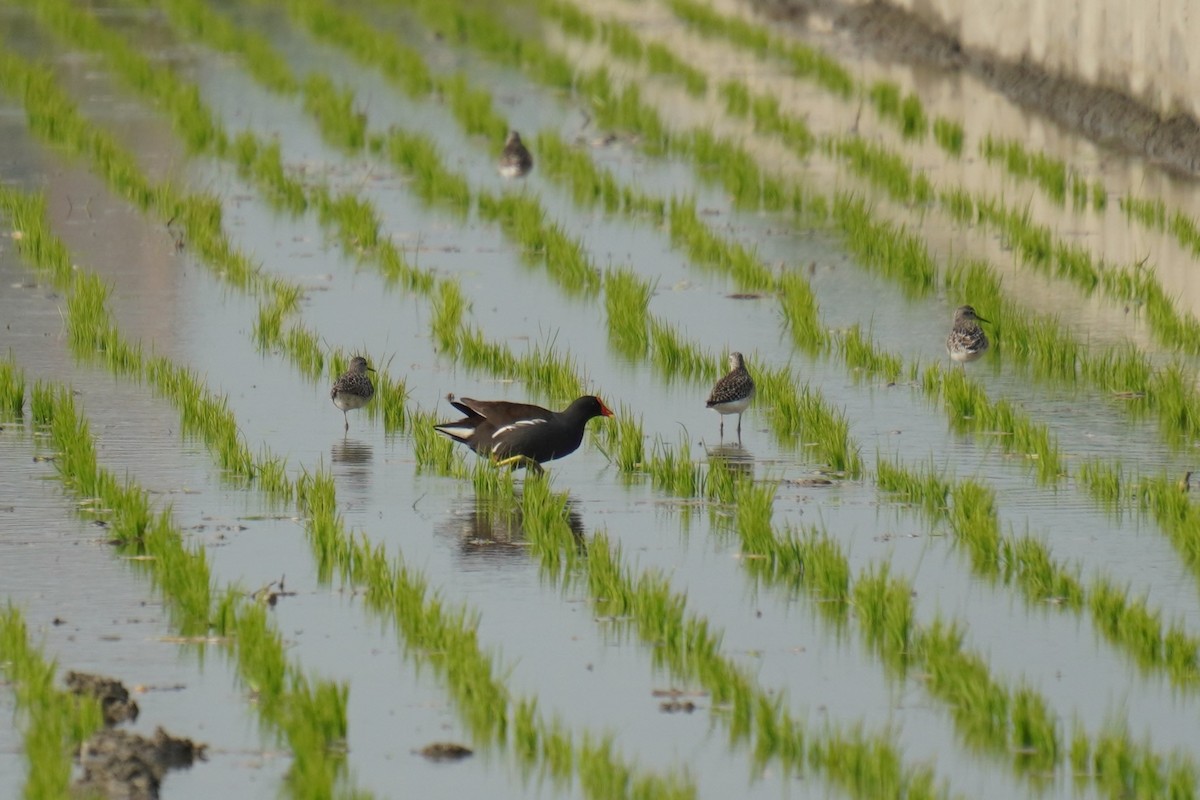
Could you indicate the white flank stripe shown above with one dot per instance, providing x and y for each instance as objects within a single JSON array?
[{"x": 517, "y": 424}]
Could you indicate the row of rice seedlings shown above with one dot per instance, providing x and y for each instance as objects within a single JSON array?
[
  {"x": 429, "y": 625},
  {"x": 1153, "y": 214},
  {"x": 1014, "y": 723},
  {"x": 624, "y": 43},
  {"x": 1121, "y": 767},
  {"x": 860, "y": 353},
  {"x": 905, "y": 111},
  {"x": 672, "y": 470},
  {"x": 591, "y": 186},
  {"x": 310, "y": 714},
  {"x": 92, "y": 335},
  {"x": 623, "y": 441},
  {"x": 523, "y": 219},
  {"x": 437, "y": 186},
  {"x": 883, "y": 168},
  {"x": 763, "y": 111},
  {"x": 706, "y": 248},
  {"x": 181, "y": 102},
  {"x": 1128, "y": 623},
  {"x": 898, "y": 254},
  {"x": 52, "y": 115},
  {"x": 12, "y": 391},
  {"x": 805, "y": 62},
  {"x": 1049, "y": 173},
  {"x": 55, "y": 722},
  {"x": 802, "y": 414},
  {"x": 627, "y": 303}
]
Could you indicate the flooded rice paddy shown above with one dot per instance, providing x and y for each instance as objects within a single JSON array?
[{"x": 908, "y": 578}]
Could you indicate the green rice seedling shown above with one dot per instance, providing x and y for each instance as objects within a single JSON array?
[
  {"x": 898, "y": 255},
  {"x": 704, "y": 247},
  {"x": 270, "y": 473},
  {"x": 335, "y": 113},
  {"x": 263, "y": 163},
  {"x": 392, "y": 401},
  {"x": 1049, "y": 173},
  {"x": 41, "y": 403},
  {"x": 885, "y": 170},
  {"x": 672, "y": 469},
  {"x": 805, "y": 62},
  {"x": 524, "y": 219},
  {"x": 1103, "y": 480},
  {"x": 885, "y": 611},
  {"x": 860, "y": 354},
  {"x": 929, "y": 491},
  {"x": 626, "y": 301},
  {"x": 623, "y": 441},
  {"x": 737, "y": 98},
  {"x": 677, "y": 357},
  {"x": 976, "y": 524},
  {"x": 403, "y": 66},
  {"x": 980, "y": 706},
  {"x": 432, "y": 451},
  {"x": 264, "y": 63},
  {"x": 12, "y": 390},
  {"x": 56, "y": 722},
  {"x": 417, "y": 156},
  {"x": 754, "y": 503},
  {"x": 473, "y": 108},
  {"x": 1027, "y": 562},
  {"x": 800, "y": 313},
  {"x": 949, "y": 135}
]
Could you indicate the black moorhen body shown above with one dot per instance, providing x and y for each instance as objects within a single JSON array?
[{"x": 520, "y": 434}]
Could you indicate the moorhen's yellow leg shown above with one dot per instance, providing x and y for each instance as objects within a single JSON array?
[{"x": 525, "y": 461}]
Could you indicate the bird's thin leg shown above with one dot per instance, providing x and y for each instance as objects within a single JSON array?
[
  {"x": 347, "y": 418},
  {"x": 722, "y": 426},
  {"x": 525, "y": 461}
]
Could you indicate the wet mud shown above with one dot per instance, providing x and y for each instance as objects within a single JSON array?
[
  {"x": 118, "y": 764},
  {"x": 1105, "y": 116}
]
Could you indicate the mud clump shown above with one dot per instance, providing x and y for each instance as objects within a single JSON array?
[
  {"x": 119, "y": 765},
  {"x": 114, "y": 698},
  {"x": 445, "y": 751}
]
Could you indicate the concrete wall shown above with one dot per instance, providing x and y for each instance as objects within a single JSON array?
[{"x": 1148, "y": 49}]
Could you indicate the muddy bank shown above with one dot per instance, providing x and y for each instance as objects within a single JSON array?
[{"x": 1105, "y": 116}]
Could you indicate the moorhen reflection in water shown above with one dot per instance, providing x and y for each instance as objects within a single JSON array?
[{"x": 488, "y": 532}]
